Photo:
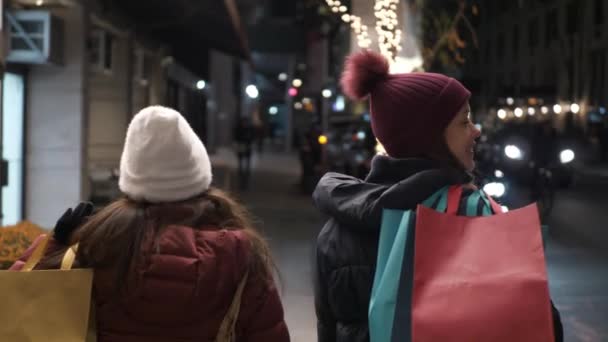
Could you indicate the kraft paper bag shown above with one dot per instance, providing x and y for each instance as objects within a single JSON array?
[{"x": 46, "y": 305}]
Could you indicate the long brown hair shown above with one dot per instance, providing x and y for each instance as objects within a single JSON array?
[
  {"x": 440, "y": 152},
  {"x": 112, "y": 238}
]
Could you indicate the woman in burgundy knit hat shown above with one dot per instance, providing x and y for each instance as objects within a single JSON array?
[{"x": 423, "y": 121}]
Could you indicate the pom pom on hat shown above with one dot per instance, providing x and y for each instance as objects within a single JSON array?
[
  {"x": 362, "y": 72},
  {"x": 163, "y": 160}
]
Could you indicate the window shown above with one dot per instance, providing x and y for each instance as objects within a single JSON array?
[
  {"x": 551, "y": 27},
  {"x": 33, "y": 29},
  {"x": 141, "y": 67},
  {"x": 500, "y": 46},
  {"x": 486, "y": 52},
  {"x": 108, "y": 45},
  {"x": 572, "y": 23},
  {"x": 598, "y": 69},
  {"x": 515, "y": 78},
  {"x": 516, "y": 43},
  {"x": 533, "y": 33},
  {"x": 499, "y": 81},
  {"x": 12, "y": 147},
  {"x": 599, "y": 12},
  {"x": 100, "y": 48},
  {"x": 34, "y": 37},
  {"x": 550, "y": 77},
  {"x": 570, "y": 72},
  {"x": 532, "y": 77}
]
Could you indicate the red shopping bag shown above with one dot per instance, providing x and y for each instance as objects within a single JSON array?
[{"x": 480, "y": 279}]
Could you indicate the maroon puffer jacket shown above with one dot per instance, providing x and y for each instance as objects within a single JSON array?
[{"x": 185, "y": 287}]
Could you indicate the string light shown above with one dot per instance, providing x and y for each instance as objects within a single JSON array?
[
  {"x": 356, "y": 25},
  {"x": 389, "y": 35},
  {"x": 387, "y": 27}
]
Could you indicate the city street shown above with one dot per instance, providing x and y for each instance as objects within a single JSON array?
[
  {"x": 578, "y": 272},
  {"x": 100, "y": 94},
  {"x": 579, "y": 275}
]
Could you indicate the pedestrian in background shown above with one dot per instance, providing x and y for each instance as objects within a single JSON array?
[
  {"x": 423, "y": 122},
  {"x": 170, "y": 257},
  {"x": 244, "y": 135}
]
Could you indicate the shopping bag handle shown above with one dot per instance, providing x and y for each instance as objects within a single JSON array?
[
  {"x": 37, "y": 254},
  {"x": 66, "y": 262},
  {"x": 69, "y": 257},
  {"x": 495, "y": 206},
  {"x": 454, "y": 195}
]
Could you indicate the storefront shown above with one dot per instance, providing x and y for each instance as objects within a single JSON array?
[{"x": 13, "y": 113}]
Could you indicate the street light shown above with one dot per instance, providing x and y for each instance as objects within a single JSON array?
[
  {"x": 557, "y": 109},
  {"x": 200, "y": 85},
  {"x": 502, "y": 114},
  {"x": 252, "y": 91},
  {"x": 296, "y": 82},
  {"x": 273, "y": 110},
  {"x": 282, "y": 77},
  {"x": 326, "y": 93},
  {"x": 518, "y": 112},
  {"x": 575, "y": 108},
  {"x": 510, "y": 101}
]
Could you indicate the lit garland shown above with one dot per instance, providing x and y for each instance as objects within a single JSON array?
[
  {"x": 389, "y": 35},
  {"x": 387, "y": 26},
  {"x": 360, "y": 29}
]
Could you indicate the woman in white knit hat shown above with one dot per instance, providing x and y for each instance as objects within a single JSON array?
[{"x": 169, "y": 257}]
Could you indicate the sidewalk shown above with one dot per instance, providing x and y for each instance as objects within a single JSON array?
[{"x": 290, "y": 223}]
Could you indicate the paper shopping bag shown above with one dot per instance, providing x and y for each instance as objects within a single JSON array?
[
  {"x": 480, "y": 278},
  {"x": 46, "y": 305}
]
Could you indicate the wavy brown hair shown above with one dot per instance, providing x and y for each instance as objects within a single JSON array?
[{"x": 112, "y": 239}]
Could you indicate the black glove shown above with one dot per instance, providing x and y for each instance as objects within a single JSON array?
[{"x": 70, "y": 220}]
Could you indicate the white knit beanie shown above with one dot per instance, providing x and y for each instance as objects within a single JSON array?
[{"x": 163, "y": 160}]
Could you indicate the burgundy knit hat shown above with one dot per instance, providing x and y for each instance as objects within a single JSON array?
[{"x": 409, "y": 112}]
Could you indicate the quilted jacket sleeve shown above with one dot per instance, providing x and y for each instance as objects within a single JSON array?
[{"x": 326, "y": 322}]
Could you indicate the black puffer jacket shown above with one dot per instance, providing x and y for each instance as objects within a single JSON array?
[{"x": 347, "y": 245}]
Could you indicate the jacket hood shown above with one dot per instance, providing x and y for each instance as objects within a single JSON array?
[{"x": 392, "y": 183}]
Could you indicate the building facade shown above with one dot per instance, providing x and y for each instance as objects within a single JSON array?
[
  {"x": 74, "y": 75},
  {"x": 539, "y": 53}
]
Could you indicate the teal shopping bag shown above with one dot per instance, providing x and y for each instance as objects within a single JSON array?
[
  {"x": 390, "y": 303},
  {"x": 396, "y": 240}
]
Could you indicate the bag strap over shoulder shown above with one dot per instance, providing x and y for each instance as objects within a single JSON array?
[
  {"x": 454, "y": 197},
  {"x": 227, "y": 328}
]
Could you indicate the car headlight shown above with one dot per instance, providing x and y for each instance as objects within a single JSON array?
[
  {"x": 495, "y": 189},
  {"x": 566, "y": 156},
  {"x": 513, "y": 152}
]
